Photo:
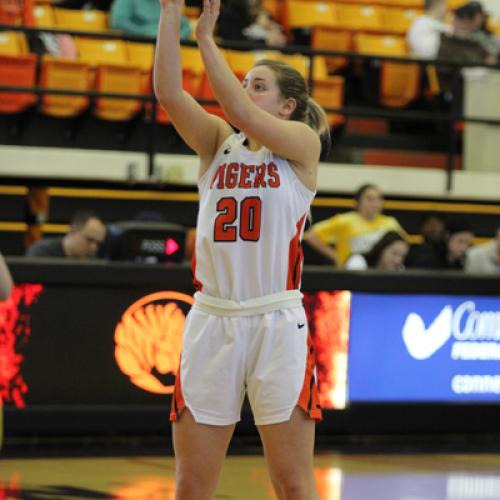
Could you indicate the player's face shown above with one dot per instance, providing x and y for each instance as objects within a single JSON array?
[{"x": 262, "y": 87}]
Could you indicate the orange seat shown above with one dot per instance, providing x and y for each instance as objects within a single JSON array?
[
  {"x": 13, "y": 43},
  {"x": 304, "y": 14},
  {"x": 399, "y": 84},
  {"x": 205, "y": 92},
  {"x": 142, "y": 55},
  {"x": 191, "y": 60},
  {"x": 93, "y": 51},
  {"x": 118, "y": 78},
  {"x": 455, "y": 4},
  {"x": 191, "y": 12},
  {"x": 434, "y": 88},
  {"x": 81, "y": 20},
  {"x": 405, "y": 4},
  {"x": 274, "y": 7},
  {"x": 380, "y": 45},
  {"x": 360, "y": 17},
  {"x": 332, "y": 39},
  {"x": 43, "y": 16},
  {"x": 398, "y": 21},
  {"x": 329, "y": 93},
  {"x": 17, "y": 70},
  {"x": 68, "y": 75},
  {"x": 242, "y": 62}
]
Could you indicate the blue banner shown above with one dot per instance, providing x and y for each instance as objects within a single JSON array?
[{"x": 424, "y": 348}]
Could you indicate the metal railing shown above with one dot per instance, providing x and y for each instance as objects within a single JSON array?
[{"x": 450, "y": 118}]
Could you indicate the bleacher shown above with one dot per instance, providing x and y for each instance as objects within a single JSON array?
[{"x": 352, "y": 44}]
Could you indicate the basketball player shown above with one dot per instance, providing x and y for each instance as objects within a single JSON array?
[{"x": 247, "y": 330}]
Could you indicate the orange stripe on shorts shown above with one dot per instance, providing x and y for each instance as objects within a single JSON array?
[
  {"x": 309, "y": 398},
  {"x": 178, "y": 403}
]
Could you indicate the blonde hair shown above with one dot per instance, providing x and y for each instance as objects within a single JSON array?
[{"x": 292, "y": 84}]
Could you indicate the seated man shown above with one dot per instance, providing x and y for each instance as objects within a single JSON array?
[
  {"x": 463, "y": 46},
  {"x": 86, "y": 234}
]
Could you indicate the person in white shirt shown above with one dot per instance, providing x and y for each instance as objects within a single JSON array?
[
  {"x": 424, "y": 35},
  {"x": 484, "y": 258}
]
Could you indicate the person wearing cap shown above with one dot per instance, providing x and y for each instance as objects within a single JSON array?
[
  {"x": 469, "y": 23},
  {"x": 424, "y": 34},
  {"x": 484, "y": 258},
  {"x": 446, "y": 253},
  {"x": 481, "y": 32}
]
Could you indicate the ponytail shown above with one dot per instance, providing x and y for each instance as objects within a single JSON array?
[{"x": 316, "y": 118}]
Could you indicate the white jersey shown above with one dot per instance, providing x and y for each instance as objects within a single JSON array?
[{"x": 253, "y": 208}]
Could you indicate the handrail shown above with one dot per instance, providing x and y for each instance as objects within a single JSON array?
[{"x": 451, "y": 118}]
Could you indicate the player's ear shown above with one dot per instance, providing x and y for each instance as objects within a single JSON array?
[{"x": 288, "y": 106}]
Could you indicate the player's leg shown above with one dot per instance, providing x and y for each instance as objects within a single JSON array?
[
  {"x": 200, "y": 450},
  {"x": 282, "y": 391},
  {"x": 289, "y": 452}
]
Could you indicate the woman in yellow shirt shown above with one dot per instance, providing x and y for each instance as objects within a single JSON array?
[{"x": 353, "y": 232}]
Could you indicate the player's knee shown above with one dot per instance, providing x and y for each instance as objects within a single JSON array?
[
  {"x": 189, "y": 488},
  {"x": 295, "y": 487},
  {"x": 294, "y": 490},
  {"x": 192, "y": 487}
]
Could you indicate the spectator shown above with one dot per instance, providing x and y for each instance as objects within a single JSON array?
[
  {"x": 466, "y": 44},
  {"x": 425, "y": 33},
  {"x": 248, "y": 20},
  {"x": 484, "y": 258},
  {"x": 470, "y": 22},
  {"x": 432, "y": 227},
  {"x": 86, "y": 234},
  {"x": 447, "y": 253},
  {"x": 355, "y": 231},
  {"x": 487, "y": 36},
  {"x": 5, "y": 280},
  {"x": 388, "y": 254},
  {"x": 141, "y": 17}
]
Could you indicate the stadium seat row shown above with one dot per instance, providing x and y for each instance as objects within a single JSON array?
[{"x": 128, "y": 78}]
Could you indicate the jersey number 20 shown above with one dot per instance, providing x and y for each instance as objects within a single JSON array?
[{"x": 233, "y": 217}]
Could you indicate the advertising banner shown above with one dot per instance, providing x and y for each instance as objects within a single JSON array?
[{"x": 437, "y": 348}]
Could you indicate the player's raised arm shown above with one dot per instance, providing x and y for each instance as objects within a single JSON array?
[
  {"x": 277, "y": 129},
  {"x": 202, "y": 131}
]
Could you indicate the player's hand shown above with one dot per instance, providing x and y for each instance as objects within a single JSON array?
[{"x": 208, "y": 18}]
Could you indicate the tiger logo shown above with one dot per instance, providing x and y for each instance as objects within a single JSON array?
[{"x": 148, "y": 340}]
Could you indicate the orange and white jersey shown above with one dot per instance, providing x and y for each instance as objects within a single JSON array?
[{"x": 252, "y": 212}]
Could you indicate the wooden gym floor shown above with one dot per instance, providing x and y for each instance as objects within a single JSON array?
[{"x": 339, "y": 477}]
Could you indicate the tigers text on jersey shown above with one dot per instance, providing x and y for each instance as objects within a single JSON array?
[{"x": 251, "y": 219}]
